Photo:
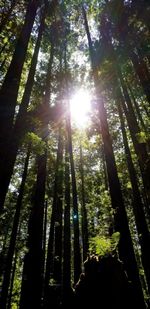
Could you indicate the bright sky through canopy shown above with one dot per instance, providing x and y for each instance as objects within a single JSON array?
[{"x": 80, "y": 106}]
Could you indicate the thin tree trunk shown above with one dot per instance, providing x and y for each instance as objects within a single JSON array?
[
  {"x": 12, "y": 282},
  {"x": 45, "y": 232},
  {"x": 76, "y": 247},
  {"x": 85, "y": 238},
  {"x": 104, "y": 168},
  {"x": 58, "y": 217},
  {"x": 67, "y": 231},
  {"x": 50, "y": 252},
  {"x": 77, "y": 253}
]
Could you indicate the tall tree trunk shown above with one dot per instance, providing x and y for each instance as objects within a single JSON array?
[
  {"x": 76, "y": 246},
  {"x": 77, "y": 253},
  {"x": 125, "y": 246},
  {"x": 32, "y": 284},
  {"x": 6, "y": 169},
  {"x": 56, "y": 221},
  {"x": 12, "y": 282},
  {"x": 45, "y": 232},
  {"x": 11, "y": 249},
  {"x": 50, "y": 251},
  {"x": 10, "y": 87},
  {"x": 67, "y": 231},
  {"x": 140, "y": 148},
  {"x": 58, "y": 217},
  {"x": 143, "y": 233},
  {"x": 104, "y": 169},
  {"x": 140, "y": 151},
  {"x": 33, "y": 269},
  {"x": 85, "y": 238}
]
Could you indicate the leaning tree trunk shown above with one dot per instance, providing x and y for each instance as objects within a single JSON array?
[
  {"x": 126, "y": 251},
  {"x": 19, "y": 129},
  {"x": 10, "y": 87},
  {"x": 142, "y": 229}
]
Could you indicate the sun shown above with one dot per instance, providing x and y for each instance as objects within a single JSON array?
[{"x": 80, "y": 106}]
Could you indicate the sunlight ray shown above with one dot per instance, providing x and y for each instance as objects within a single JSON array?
[{"x": 80, "y": 106}]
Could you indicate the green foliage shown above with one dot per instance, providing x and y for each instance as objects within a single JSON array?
[
  {"x": 37, "y": 145},
  {"x": 141, "y": 137},
  {"x": 102, "y": 245}
]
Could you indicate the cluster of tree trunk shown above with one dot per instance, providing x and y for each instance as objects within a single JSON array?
[{"x": 57, "y": 231}]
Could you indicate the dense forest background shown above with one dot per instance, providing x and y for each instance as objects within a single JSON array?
[{"x": 68, "y": 190}]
